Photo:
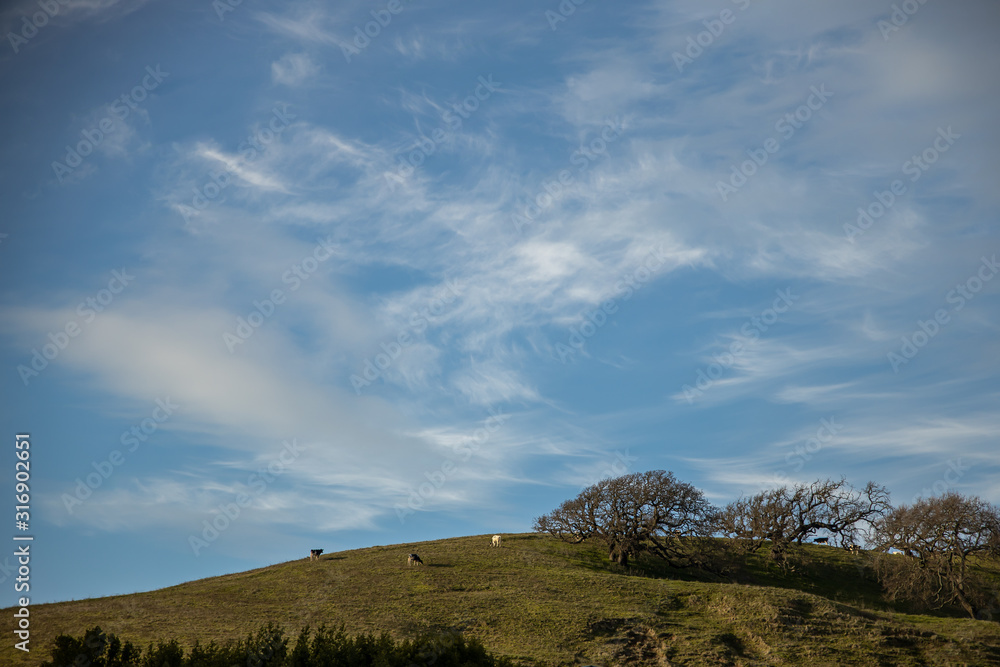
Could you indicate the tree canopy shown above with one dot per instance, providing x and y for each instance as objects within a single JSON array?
[
  {"x": 946, "y": 538},
  {"x": 779, "y": 517},
  {"x": 640, "y": 512}
]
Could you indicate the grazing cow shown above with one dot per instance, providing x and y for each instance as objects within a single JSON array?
[
  {"x": 821, "y": 540},
  {"x": 854, "y": 549},
  {"x": 314, "y": 554},
  {"x": 496, "y": 541},
  {"x": 414, "y": 559}
]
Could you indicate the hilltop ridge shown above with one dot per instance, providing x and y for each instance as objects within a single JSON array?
[{"x": 541, "y": 601}]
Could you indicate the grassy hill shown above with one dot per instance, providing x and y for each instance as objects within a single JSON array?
[{"x": 542, "y": 601}]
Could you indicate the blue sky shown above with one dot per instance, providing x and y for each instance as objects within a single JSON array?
[{"x": 329, "y": 289}]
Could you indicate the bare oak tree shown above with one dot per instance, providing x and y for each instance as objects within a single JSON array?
[
  {"x": 782, "y": 516},
  {"x": 946, "y": 541},
  {"x": 641, "y": 512}
]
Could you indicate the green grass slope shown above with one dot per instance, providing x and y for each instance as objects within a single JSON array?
[{"x": 539, "y": 600}]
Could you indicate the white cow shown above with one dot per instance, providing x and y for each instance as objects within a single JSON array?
[{"x": 496, "y": 541}]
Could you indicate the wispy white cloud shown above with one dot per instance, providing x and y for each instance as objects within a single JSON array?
[
  {"x": 400, "y": 243},
  {"x": 71, "y": 11},
  {"x": 306, "y": 24},
  {"x": 239, "y": 167},
  {"x": 292, "y": 69}
]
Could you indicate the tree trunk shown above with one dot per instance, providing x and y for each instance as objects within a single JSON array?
[
  {"x": 618, "y": 555},
  {"x": 966, "y": 606}
]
